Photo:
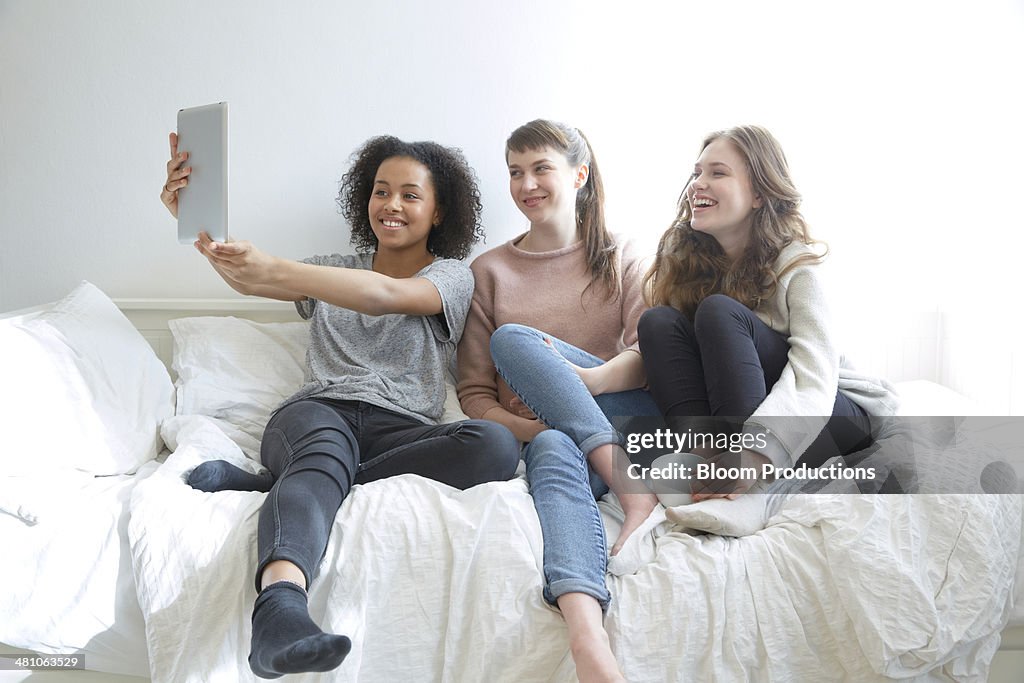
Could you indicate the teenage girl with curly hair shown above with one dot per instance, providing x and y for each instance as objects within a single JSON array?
[{"x": 384, "y": 325}]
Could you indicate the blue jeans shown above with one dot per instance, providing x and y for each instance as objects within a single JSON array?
[{"x": 564, "y": 486}]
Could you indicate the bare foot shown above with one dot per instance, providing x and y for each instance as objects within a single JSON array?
[
  {"x": 594, "y": 660},
  {"x": 637, "y": 507}
]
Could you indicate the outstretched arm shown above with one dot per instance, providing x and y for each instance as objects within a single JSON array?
[
  {"x": 265, "y": 291},
  {"x": 250, "y": 271},
  {"x": 364, "y": 291}
]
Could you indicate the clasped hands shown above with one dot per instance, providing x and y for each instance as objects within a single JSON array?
[{"x": 730, "y": 475}]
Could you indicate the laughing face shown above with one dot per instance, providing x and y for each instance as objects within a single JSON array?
[
  {"x": 403, "y": 207},
  {"x": 722, "y": 199},
  {"x": 544, "y": 185}
]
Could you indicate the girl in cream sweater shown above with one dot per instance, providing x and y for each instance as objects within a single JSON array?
[{"x": 740, "y": 328}]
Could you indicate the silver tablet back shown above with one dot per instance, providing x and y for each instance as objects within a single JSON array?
[{"x": 203, "y": 203}]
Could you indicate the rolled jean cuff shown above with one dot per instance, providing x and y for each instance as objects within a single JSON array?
[
  {"x": 557, "y": 589},
  {"x": 601, "y": 439}
]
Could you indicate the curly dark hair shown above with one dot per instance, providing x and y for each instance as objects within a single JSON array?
[{"x": 455, "y": 190}]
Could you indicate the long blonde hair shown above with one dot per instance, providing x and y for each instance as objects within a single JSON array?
[
  {"x": 598, "y": 243},
  {"x": 691, "y": 265}
]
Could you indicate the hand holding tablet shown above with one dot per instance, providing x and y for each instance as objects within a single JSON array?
[
  {"x": 196, "y": 190},
  {"x": 177, "y": 176}
]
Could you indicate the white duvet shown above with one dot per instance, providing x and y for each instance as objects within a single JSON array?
[
  {"x": 66, "y": 571},
  {"x": 434, "y": 584}
]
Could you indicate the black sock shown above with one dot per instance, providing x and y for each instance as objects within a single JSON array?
[
  {"x": 284, "y": 638},
  {"x": 220, "y": 475}
]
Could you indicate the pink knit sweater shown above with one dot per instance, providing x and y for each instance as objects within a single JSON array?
[{"x": 542, "y": 290}]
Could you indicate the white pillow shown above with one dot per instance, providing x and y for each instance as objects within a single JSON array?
[
  {"x": 924, "y": 398},
  {"x": 81, "y": 389},
  {"x": 238, "y": 371},
  {"x": 931, "y": 413}
]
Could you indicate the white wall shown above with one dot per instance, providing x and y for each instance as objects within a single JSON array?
[{"x": 901, "y": 121}]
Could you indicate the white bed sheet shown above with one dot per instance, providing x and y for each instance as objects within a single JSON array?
[
  {"x": 921, "y": 397},
  {"x": 66, "y": 570},
  {"x": 436, "y": 584}
]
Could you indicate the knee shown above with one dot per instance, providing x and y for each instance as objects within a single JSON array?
[
  {"x": 497, "y": 449},
  {"x": 717, "y": 312},
  {"x": 307, "y": 429},
  {"x": 300, "y": 418},
  {"x": 550, "y": 446},
  {"x": 508, "y": 340},
  {"x": 657, "y": 324},
  {"x": 503, "y": 449}
]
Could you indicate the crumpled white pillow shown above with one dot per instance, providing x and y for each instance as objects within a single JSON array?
[
  {"x": 237, "y": 371},
  {"x": 81, "y": 389}
]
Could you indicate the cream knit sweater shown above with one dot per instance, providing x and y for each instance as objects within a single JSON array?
[{"x": 800, "y": 403}]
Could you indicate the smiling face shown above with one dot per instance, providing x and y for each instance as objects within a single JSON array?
[
  {"x": 544, "y": 185},
  {"x": 721, "y": 196},
  {"x": 403, "y": 206}
]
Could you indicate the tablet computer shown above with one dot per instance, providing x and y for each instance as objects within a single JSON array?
[{"x": 203, "y": 203}]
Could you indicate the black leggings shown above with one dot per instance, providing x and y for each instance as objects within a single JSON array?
[
  {"x": 317, "y": 449},
  {"x": 724, "y": 363}
]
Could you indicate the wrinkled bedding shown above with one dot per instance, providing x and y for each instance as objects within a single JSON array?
[
  {"x": 432, "y": 583},
  {"x": 66, "y": 572}
]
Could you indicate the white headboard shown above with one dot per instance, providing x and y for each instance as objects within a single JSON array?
[
  {"x": 150, "y": 316},
  {"x": 903, "y": 349},
  {"x": 897, "y": 347},
  {"x": 914, "y": 346}
]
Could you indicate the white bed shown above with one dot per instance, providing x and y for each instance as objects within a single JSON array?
[{"x": 149, "y": 577}]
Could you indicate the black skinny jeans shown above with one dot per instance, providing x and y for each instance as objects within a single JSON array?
[
  {"x": 318, "y": 449},
  {"x": 724, "y": 363}
]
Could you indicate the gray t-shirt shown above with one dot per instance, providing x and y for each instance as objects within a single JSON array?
[{"x": 393, "y": 361}]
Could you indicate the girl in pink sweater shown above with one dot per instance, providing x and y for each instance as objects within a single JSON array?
[{"x": 550, "y": 352}]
